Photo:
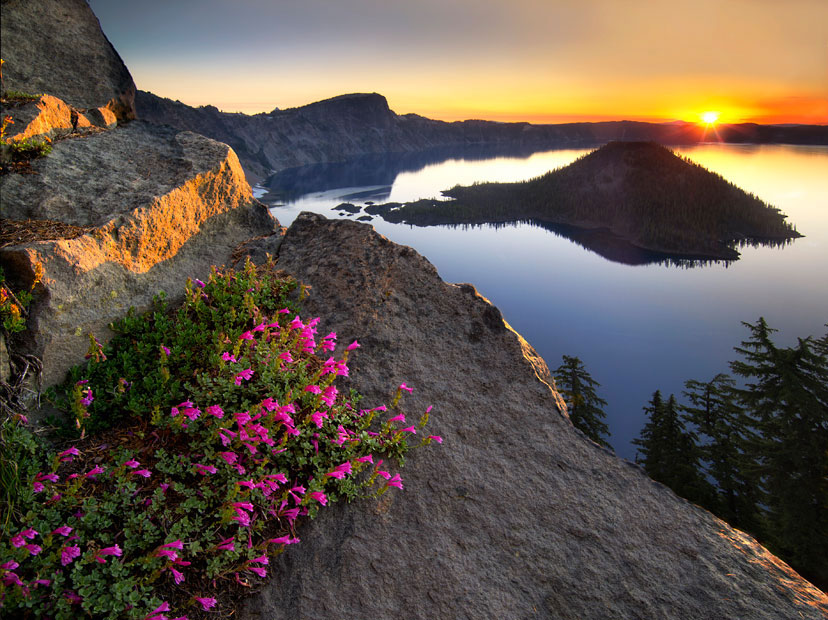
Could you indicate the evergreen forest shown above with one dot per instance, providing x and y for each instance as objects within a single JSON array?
[{"x": 753, "y": 447}]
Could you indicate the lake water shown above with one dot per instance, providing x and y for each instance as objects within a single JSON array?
[{"x": 637, "y": 328}]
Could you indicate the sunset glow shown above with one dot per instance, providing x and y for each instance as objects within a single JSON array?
[
  {"x": 521, "y": 60},
  {"x": 710, "y": 118}
]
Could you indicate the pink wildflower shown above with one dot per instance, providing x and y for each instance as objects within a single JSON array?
[
  {"x": 260, "y": 327},
  {"x": 63, "y": 530},
  {"x": 178, "y": 576},
  {"x": 206, "y": 602},
  {"x": 33, "y": 549},
  {"x": 246, "y": 336},
  {"x": 67, "y": 455},
  {"x": 214, "y": 410},
  {"x": 403, "y": 386},
  {"x": 88, "y": 398},
  {"x": 199, "y": 283},
  {"x": 228, "y": 544},
  {"x": 29, "y": 533},
  {"x": 72, "y": 597},
  {"x": 313, "y": 389},
  {"x": 144, "y": 473},
  {"x": 246, "y": 374},
  {"x": 156, "y": 614},
  {"x": 319, "y": 496},
  {"x": 227, "y": 357},
  {"x": 132, "y": 463},
  {"x": 94, "y": 471},
  {"x": 259, "y": 570},
  {"x": 296, "y": 323},
  {"x": 436, "y": 438},
  {"x": 286, "y": 356},
  {"x": 329, "y": 395},
  {"x": 225, "y": 435},
  {"x": 165, "y": 350},
  {"x": 317, "y": 417},
  {"x": 229, "y": 457},
  {"x": 268, "y": 404},
  {"x": 283, "y": 540},
  {"x": 396, "y": 481},
  {"x": 408, "y": 429},
  {"x": 398, "y": 418},
  {"x": 114, "y": 550},
  {"x": 205, "y": 469},
  {"x": 68, "y": 554},
  {"x": 366, "y": 459},
  {"x": 340, "y": 471},
  {"x": 352, "y": 346}
]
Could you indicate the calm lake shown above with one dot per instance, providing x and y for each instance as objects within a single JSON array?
[{"x": 637, "y": 328}]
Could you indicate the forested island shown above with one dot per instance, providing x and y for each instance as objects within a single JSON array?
[{"x": 639, "y": 191}]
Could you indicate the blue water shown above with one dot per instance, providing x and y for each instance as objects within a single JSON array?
[{"x": 636, "y": 328}]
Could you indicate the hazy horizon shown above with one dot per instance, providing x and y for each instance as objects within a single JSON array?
[{"x": 522, "y": 60}]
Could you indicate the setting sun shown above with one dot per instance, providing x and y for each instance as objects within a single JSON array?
[{"x": 710, "y": 118}]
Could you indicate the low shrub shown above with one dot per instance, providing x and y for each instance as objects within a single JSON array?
[{"x": 187, "y": 499}]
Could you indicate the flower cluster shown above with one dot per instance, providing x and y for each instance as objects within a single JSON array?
[{"x": 200, "y": 496}]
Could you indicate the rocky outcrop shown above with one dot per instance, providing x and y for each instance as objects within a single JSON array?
[
  {"x": 516, "y": 514},
  {"x": 163, "y": 205},
  {"x": 349, "y": 126},
  {"x": 152, "y": 205},
  {"x": 56, "y": 47}
]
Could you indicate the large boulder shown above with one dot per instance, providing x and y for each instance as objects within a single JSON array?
[
  {"x": 157, "y": 205},
  {"x": 516, "y": 514},
  {"x": 57, "y": 47}
]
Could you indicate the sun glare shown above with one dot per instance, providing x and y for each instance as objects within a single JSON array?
[{"x": 710, "y": 118}]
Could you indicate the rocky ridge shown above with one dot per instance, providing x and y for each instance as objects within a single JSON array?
[
  {"x": 353, "y": 125},
  {"x": 516, "y": 514}
]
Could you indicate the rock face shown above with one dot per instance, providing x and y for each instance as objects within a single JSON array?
[
  {"x": 516, "y": 514},
  {"x": 57, "y": 47},
  {"x": 163, "y": 205}
]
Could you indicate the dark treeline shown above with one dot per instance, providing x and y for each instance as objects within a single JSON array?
[
  {"x": 640, "y": 191},
  {"x": 753, "y": 450}
]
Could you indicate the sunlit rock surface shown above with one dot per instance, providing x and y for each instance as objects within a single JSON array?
[
  {"x": 516, "y": 514},
  {"x": 162, "y": 205}
]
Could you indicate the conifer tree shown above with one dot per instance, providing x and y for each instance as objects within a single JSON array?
[
  {"x": 713, "y": 410},
  {"x": 670, "y": 453},
  {"x": 786, "y": 395},
  {"x": 577, "y": 388}
]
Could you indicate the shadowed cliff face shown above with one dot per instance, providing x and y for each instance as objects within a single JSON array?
[
  {"x": 57, "y": 47},
  {"x": 516, "y": 514}
]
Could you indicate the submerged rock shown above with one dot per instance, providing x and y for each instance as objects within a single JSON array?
[{"x": 516, "y": 514}]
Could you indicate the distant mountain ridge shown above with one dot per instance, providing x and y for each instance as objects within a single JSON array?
[{"x": 357, "y": 124}]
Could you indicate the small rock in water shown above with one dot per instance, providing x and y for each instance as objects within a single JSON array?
[{"x": 348, "y": 207}]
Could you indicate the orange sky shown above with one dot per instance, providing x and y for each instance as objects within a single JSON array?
[{"x": 536, "y": 60}]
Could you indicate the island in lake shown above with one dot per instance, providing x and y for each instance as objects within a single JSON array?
[{"x": 637, "y": 193}]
